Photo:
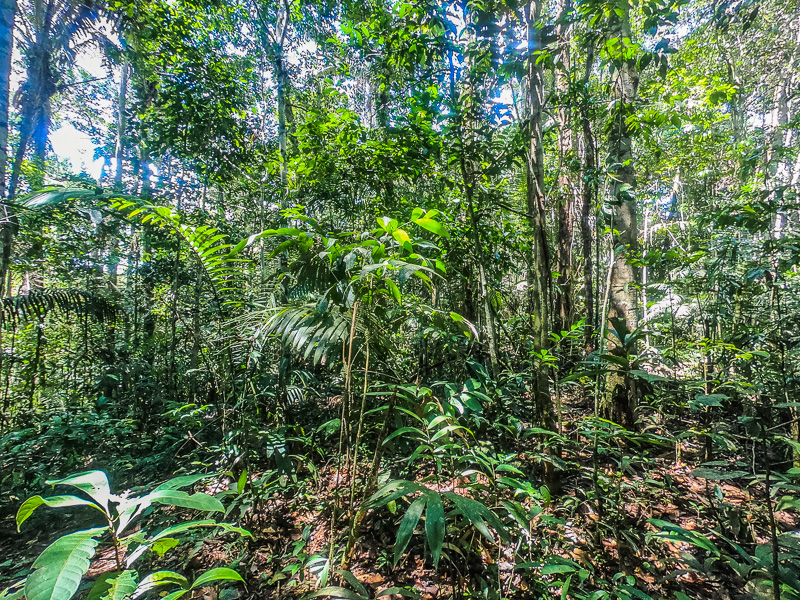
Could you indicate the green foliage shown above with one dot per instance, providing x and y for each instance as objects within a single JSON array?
[
  {"x": 219, "y": 260},
  {"x": 60, "y": 568}
]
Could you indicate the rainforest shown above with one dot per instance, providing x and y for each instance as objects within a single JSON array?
[{"x": 381, "y": 299}]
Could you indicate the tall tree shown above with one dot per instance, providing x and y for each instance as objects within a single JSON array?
[
  {"x": 7, "y": 13},
  {"x": 51, "y": 29},
  {"x": 539, "y": 279},
  {"x": 624, "y": 277},
  {"x": 566, "y": 188}
]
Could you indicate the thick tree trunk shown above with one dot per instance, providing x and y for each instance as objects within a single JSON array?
[
  {"x": 7, "y": 12},
  {"x": 539, "y": 270},
  {"x": 621, "y": 390}
]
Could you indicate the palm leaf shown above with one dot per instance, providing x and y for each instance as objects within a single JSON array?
[
  {"x": 219, "y": 259},
  {"x": 38, "y": 304}
]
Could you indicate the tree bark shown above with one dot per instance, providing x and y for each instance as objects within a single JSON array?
[
  {"x": 121, "y": 126},
  {"x": 588, "y": 191},
  {"x": 7, "y": 14},
  {"x": 566, "y": 187},
  {"x": 621, "y": 390},
  {"x": 539, "y": 269}
]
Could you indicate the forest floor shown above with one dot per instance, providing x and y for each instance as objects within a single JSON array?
[{"x": 291, "y": 535}]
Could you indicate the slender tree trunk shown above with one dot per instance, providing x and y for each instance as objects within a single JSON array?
[
  {"x": 566, "y": 187},
  {"x": 196, "y": 338},
  {"x": 144, "y": 172},
  {"x": 468, "y": 104},
  {"x": 25, "y": 130},
  {"x": 121, "y": 126},
  {"x": 621, "y": 391},
  {"x": 539, "y": 270},
  {"x": 588, "y": 189},
  {"x": 283, "y": 79}
]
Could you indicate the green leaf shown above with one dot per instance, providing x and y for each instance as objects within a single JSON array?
[
  {"x": 34, "y": 502},
  {"x": 396, "y": 591},
  {"x": 393, "y": 490},
  {"x": 62, "y": 565},
  {"x": 401, "y": 236},
  {"x": 556, "y": 569},
  {"x": 182, "y": 481},
  {"x": 351, "y": 579},
  {"x": 93, "y": 483},
  {"x": 703, "y": 400},
  {"x": 337, "y": 592},
  {"x": 717, "y": 475},
  {"x": 434, "y": 526},
  {"x": 213, "y": 575},
  {"x": 433, "y": 227},
  {"x": 392, "y": 286},
  {"x": 402, "y": 431},
  {"x": 121, "y": 586},
  {"x": 407, "y": 526},
  {"x": 671, "y": 531},
  {"x": 162, "y": 578},
  {"x": 164, "y": 545},
  {"x": 198, "y": 501},
  {"x": 476, "y": 512},
  {"x": 175, "y": 595},
  {"x": 788, "y": 503},
  {"x": 242, "y": 483},
  {"x": 14, "y": 592}
]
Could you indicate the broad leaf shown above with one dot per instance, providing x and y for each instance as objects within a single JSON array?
[
  {"x": 433, "y": 227},
  {"x": 434, "y": 526},
  {"x": 214, "y": 575},
  {"x": 14, "y": 592},
  {"x": 160, "y": 578},
  {"x": 62, "y": 565},
  {"x": 162, "y": 546},
  {"x": 181, "y": 481},
  {"x": 93, "y": 483},
  {"x": 407, "y": 526},
  {"x": 34, "y": 502},
  {"x": 121, "y": 586},
  {"x": 337, "y": 592},
  {"x": 198, "y": 501},
  {"x": 718, "y": 475}
]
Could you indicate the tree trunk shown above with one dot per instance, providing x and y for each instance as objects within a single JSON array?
[
  {"x": 621, "y": 390},
  {"x": 121, "y": 126},
  {"x": 283, "y": 79},
  {"x": 539, "y": 269},
  {"x": 7, "y": 12},
  {"x": 566, "y": 188},
  {"x": 588, "y": 189}
]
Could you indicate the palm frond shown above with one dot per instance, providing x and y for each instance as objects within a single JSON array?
[
  {"x": 310, "y": 333},
  {"x": 38, "y": 304},
  {"x": 218, "y": 258}
]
